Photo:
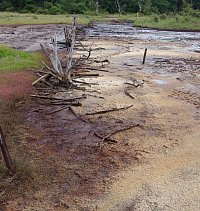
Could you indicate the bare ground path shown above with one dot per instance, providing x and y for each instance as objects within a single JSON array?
[{"x": 169, "y": 177}]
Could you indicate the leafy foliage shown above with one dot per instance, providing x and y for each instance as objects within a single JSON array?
[{"x": 53, "y": 7}]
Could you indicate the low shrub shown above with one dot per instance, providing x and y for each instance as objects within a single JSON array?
[
  {"x": 187, "y": 18},
  {"x": 163, "y": 16},
  {"x": 195, "y": 13},
  {"x": 178, "y": 17},
  {"x": 156, "y": 18}
]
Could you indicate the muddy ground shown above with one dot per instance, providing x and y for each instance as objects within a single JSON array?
[{"x": 152, "y": 166}]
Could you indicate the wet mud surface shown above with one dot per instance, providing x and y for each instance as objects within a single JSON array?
[
  {"x": 29, "y": 37},
  {"x": 151, "y": 166}
]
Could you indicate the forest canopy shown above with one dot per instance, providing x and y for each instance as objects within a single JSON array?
[{"x": 104, "y": 6}]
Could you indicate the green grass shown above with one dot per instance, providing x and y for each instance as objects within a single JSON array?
[
  {"x": 177, "y": 22},
  {"x": 7, "y": 18},
  {"x": 14, "y": 60},
  {"x": 186, "y": 22}
]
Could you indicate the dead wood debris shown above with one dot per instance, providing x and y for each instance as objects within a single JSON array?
[
  {"x": 107, "y": 137},
  {"x": 128, "y": 94},
  {"x": 108, "y": 110},
  {"x": 96, "y": 96},
  {"x": 57, "y": 110},
  {"x": 95, "y": 69},
  {"x": 135, "y": 83},
  {"x": 79, "y": 75},
  {"x": 79, "y": 117},
  {"x": 61, "y": 76},
  {"x": 83, "y": 82},
  {"x": 55, "y": 98}
]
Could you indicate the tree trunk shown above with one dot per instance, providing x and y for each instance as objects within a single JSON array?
[
  {"x": 118, "y": 6},
  {"x": 96, "y": 5}
]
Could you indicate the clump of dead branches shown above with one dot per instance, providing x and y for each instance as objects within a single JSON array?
[
  {"x": 62, "y": 71},
  {"x": 61, "y": 75}
]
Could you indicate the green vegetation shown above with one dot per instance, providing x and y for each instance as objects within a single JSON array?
[
  {"x": 161, "y": 21},
  {"x": 176, "y": 22},
  {"x": 53, "y": 7},
  {"x": 13, "y": 60},
  {"x": 164, "y": 14},
  {"x": 17, "y": 18}
]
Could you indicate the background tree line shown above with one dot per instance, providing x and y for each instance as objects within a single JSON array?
[{"x": 95, "y": 6}]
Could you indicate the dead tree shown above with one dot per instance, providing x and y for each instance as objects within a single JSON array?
[
  {"x": 96, "y": 5},
  {"x": 70, "y": 37},
  {"x": 51, "y": 51},
  {"x": 64, "y": 73},
  {"x": 118, "y": 6},
  {"x": 139, "y": 8}
]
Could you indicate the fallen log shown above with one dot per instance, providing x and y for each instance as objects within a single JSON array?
[
  {"x": 87, "y": 75},
  {"x": 109, "y": 110},
  {"x": 54, "y": 98},
  {"x": 92, "y": 68},
  {"x": 83, "y": 82},
  {"x": 62, "y": 103},
  {"x": 66, "y": 103}
]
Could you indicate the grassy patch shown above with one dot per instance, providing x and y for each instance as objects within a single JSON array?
[
  {"x": 176, "y": 22},
  {"x": 14, "y": 82},
  {"x": 16, "y": 18},
  {"x": 187, "y": 22},
  {"x": 13, "y": 60}
]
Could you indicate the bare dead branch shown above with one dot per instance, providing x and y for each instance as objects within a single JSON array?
[
  {"x": 128, "y": 94},
  {"x": 96, "y": 96},
  {"x": 57, "y": 110},
  {"x": 41, "y": 79},
  {"x": 120, "y": 130},
  {"x": 54, "y": 98},
  {"x": 88, "y": 50},
  {"x": 50, "y": 69},
  {"x": 103, "y": 138},
  {"x": 97, "y": 69},
  {"x": 109, "y": 110},
  {"x": 87, "y": 75},
  {"x": 79, "y": 117}
]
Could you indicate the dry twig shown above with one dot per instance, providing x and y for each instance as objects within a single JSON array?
[
  {"x": 109, "y": 110},
  {"x": 128, "y": 94}
]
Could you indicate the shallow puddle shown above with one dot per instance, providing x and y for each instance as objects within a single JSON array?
[{"x": 160, "y": 82}]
